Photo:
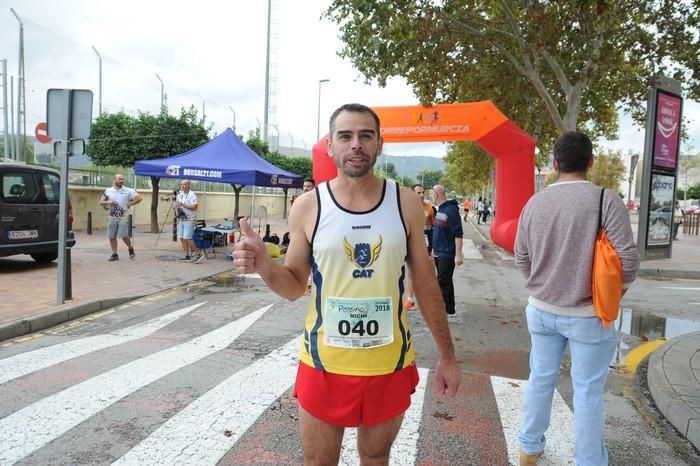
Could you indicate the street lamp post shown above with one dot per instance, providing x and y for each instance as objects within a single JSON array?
[
  {"x": 162, "y": 93},
  {"x": 277, "y": 130},
  {"x": 292, "y": 137},
  {"x": 234, "y": 118},
  {"x": 633, "y": 164},
  {"x": 99, "y": 58},
  {"x": 318, "y": 110}
]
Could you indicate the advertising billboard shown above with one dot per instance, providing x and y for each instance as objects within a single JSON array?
[
  {"x": 660, "y": 210},
  {"x": 667, "y": 131}
]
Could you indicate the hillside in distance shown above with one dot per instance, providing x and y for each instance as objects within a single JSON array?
[{"x": 412, "y": 166}]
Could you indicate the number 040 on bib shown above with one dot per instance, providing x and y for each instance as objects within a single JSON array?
[{"x": 361, "y": 323}]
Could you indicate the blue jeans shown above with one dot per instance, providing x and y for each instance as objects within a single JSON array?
[{"x": 592, "y": 348}]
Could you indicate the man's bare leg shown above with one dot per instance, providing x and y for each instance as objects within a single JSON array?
[
  {"x": 374, "y": 443},
  {"x": 320, "y": 441}
]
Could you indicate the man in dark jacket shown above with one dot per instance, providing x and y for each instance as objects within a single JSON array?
[{"x": 447, "y": 243}]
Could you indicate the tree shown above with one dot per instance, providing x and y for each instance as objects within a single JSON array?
[
  {"x": 607, "y": 170},
  {"x": 689, "y": 168},
  {"x": 301, "y": 166},
  {"x": 468, "y": 167},
  {"x": 119, "y": 139},
  {"x": 430, "y": 178},
  {"x": 550, "y": 66}
]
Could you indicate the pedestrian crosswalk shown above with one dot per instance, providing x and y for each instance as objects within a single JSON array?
[{"x": 218, "y": 420}]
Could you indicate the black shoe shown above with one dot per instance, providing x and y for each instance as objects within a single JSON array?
[
  {"x": 451, "y": 312},
  {"x": 113, "y": 257},
  {"x": 185, "y": 259},
  {"x": 132, "y": 254}
]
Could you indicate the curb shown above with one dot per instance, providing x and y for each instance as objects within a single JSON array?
[
  {"x": 666, "y": 273},
  {"x": 673, "y": 373},
  {"x": 49, "y": 319}
]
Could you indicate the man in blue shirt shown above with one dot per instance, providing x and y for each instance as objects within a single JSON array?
[{"x": 447, "y": 243}]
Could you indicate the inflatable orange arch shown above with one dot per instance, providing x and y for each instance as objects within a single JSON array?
[{"x": 481, "y": 122}]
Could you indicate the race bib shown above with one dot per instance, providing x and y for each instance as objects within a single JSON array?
[{"x": 358, "y": 322}]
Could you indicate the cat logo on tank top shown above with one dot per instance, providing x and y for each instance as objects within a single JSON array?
[{"x": 363, "y": 256}]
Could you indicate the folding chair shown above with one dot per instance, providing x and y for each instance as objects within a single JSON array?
[{"x": 204, "y": 240}]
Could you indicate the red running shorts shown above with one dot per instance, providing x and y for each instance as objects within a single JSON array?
[{"x": 350, "y": 400}]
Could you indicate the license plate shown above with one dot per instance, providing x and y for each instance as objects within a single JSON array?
[{"x": 23, "y": 234}]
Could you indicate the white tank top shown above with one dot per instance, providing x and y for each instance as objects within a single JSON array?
[{"x": 355, "y": 323}]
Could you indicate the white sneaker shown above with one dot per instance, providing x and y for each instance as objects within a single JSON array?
[{"x": 201, "y": 259}]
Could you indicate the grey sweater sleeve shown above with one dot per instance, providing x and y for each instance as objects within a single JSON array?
[
  {"x": 522, "y": 257},
  {"x": 617, "y": 227}
]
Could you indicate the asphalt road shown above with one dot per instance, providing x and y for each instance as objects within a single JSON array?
[{"x": 203, "y": 375}]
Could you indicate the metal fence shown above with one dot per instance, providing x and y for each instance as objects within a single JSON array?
[
  {"x": 691, "y": 224},
  {"x": 103, "y": 177}
]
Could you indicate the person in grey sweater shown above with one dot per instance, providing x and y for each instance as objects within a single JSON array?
[{"x": 554, "y": 251}]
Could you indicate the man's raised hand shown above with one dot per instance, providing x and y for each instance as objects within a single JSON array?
[{"x": 249, "y": 253}]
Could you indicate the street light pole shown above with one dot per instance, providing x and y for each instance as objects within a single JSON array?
[
  {"x": 19, "y": 154},
  {"x": 278, "y": 137},
  {"x": 267, "y": 71},
  {"x": 292, "y": 137},
  {"x": 162, "y": 94},
  {"x": 234, "y": 119},
  {"x": 99, "y": 58},
  {"x": 318, "y": 110},
  {"x": 633, "y": 164}
]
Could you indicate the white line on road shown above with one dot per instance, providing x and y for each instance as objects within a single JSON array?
[
  {"x": 470, "y": 250},
  {"x": 39, "y": 423},
  {"x": 195, "y": 435},
  {"x": 683, "y": 288},
  {"x": 510, "y": 394},
  {"x": 405, "y": 448},
  {"x": 32, "y": 361}
]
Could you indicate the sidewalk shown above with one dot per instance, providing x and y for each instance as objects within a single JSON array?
[
  {"x": 673, "y": 374},
  {"x": 29, "y": 289}
]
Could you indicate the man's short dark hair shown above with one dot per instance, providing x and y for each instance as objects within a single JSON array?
[
  {"x": 572, "y": 151},
  {"x": 357, "y": 108},
  {"x": 417, "y": 185},
  {"x": 310, "y": 180}
]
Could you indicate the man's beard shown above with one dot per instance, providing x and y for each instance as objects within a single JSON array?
[{"x": 352, "y": 172}]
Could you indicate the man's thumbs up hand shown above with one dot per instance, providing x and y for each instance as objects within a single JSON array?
[{"x": 249, "y": 253}]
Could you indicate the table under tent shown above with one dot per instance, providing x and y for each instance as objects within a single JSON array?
[{"x": 223, "y": 159}]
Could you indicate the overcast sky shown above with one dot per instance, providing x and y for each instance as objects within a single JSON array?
[{"x": 212, "y": 51}]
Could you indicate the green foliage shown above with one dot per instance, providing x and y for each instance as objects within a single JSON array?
[
  {"x": 693, "y": 192},
  {"x": 430, "y": 178},
  {"x": 549, "y": 66},
  {"x": 468, "y": 168},
  {"x": 120, "y": 140},
  {"x": 551, "y": 178},
  {"x": 608, "y": 170},
  {"x": 301, "y": 166}
]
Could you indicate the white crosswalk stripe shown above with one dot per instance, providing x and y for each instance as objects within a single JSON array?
[
  {"x": 32, "y": 361},
  {"x": 510, "y": 395},
  {"x": 39, "y": 423},
  {"x": 231, "y": 406},
  {"x": 195, "y": 433},
  {"x": 406, "y": 444}
]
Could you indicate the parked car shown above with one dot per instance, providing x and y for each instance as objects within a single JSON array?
[
  {"x": 29, "y": 202},
  {"x": 662, "y": 213},
  {"x": 693, "y": 209}
]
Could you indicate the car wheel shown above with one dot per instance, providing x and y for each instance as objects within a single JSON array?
[{"x": 44, "y": 257}]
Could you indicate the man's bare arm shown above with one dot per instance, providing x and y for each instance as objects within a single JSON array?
[
  {"x": 288, "y": 280},
  {"x": 428, "y": 294}
]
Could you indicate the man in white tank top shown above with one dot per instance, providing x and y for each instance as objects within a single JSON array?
[{"x": 334, "y": 347}]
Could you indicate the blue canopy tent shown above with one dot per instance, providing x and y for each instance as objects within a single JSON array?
[{"x": 224, "y": 159}]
